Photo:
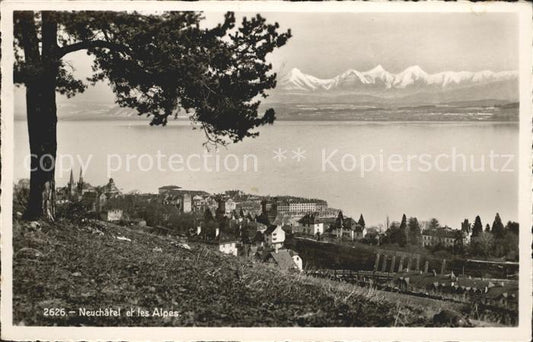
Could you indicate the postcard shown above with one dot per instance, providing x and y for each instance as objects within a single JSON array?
[{"x": 266, "y": 171}]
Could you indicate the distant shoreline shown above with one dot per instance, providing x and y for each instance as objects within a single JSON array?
[{"x": 183, "y": 120}]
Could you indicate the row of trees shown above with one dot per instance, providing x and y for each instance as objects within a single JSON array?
[
  {"x": 498, "y": 230},
  {"x": 407, "y": 233},
  {"x": 498, "y": 240}
]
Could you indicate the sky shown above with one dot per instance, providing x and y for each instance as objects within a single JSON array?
[{"x": 327, "y": 44}]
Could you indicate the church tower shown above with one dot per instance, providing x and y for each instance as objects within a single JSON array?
[
  {"x": 71, "y": 186},
  {"x": 80, "y": 182}
]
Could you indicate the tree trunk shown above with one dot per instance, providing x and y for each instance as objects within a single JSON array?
[
  {"x": 41, "y": 114},
  {"x": 42, "y": 120}
]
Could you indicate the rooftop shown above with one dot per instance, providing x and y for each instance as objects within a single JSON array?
[{"x": 283, "y": 259}]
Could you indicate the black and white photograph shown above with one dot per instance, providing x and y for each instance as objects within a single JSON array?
[{"x": 269, "y": 165}]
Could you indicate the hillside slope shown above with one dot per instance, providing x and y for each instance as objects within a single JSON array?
[{"x": 93, "y": 265}]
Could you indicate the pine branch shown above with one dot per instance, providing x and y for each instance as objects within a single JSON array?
[{"x": 91, "y": 44}]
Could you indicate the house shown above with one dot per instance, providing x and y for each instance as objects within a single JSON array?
[
  {"x": 283, "y": 206},
  {"x": 359, "y": 232},
  {"x": 269, "y": 212},
  {"x": 251, "y": 206},
  {"x": 282, "y": 220},
  {"x": 444, "y": 236},
  {"x": 112, "y": 215},
  {"x": 282, "y": 259},
  {"x": 347, "y": 227},
  {"x": 198, "y": 203},
  {"x": 186, "y": 203},
  {"x": 182, "y": 201},
  {"x": 310, "y": 224},
  {"x": 230, "y": 206},
  {"x": 228, "y": 247},
  {"x": 234, "y": 193},
  {"x": 111, "y": 189},
  {"x": 275, "y": 236}
]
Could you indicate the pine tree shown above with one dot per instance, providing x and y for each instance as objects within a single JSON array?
[
  {"x": 434, "y": 224},
  {"x": 498, "y": 230},
  {"x": 512, "y": 227},
  {"x": 414, "y": 231},
  {"x": 487, "y": 228},
  {"x": 477, "y": 229},
  {"x": 156, "y": 64},
  {"x": 402, "y": 241},
  {"x": 208, "y": 216},
  {"x": 339, "y": 222},
  {"x": 465, "y": 227}
]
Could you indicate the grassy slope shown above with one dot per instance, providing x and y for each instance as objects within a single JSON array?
[{"x": 73, "y": 266}]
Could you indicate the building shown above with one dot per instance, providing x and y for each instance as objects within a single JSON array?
[
  {"x": 112, "y": 215},
  {"x": 282, "y": 259},
  {"x": 225, "y": 206},
  {"x": 302, "y": 207},
  {"x": 251, "y": 206},
  {"x": 347, "y": 227},
  {"x": 74, "y": 191},
  {"x": 310, "y": 224},
  {"x": 444, "y": 236},
  {"x": 92, "y": 198},
  {"x": 234, "y": 193},
  {"x": 230, "y": 206},
  {"x": 275, "y": 237},
  {"x": 283, "y": 206},
  {"x": 228, "y": 247},
  {"x": 297, "y": 260},
  {"x": 168, "y": 189},
  {"x": 199, "y": 204},
  {"x": 181, "y": 200},
  {"x": 111, "y": 189},
  {"x": 186, "y": 203},
  {"x": 359, "y": 232}
]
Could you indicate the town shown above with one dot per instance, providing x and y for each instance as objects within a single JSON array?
[{"x": 301, "y": 235}]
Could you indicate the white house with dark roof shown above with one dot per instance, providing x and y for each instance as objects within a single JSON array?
[{"x": 275, "y": 237}]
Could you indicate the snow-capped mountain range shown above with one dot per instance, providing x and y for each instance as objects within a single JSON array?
[{"x": 379, "y": 79}]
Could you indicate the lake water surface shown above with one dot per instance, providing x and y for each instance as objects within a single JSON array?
[{"x": 328, "y": 170}]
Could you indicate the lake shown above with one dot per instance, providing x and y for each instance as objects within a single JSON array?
[{"x": 422, "y": 169}]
